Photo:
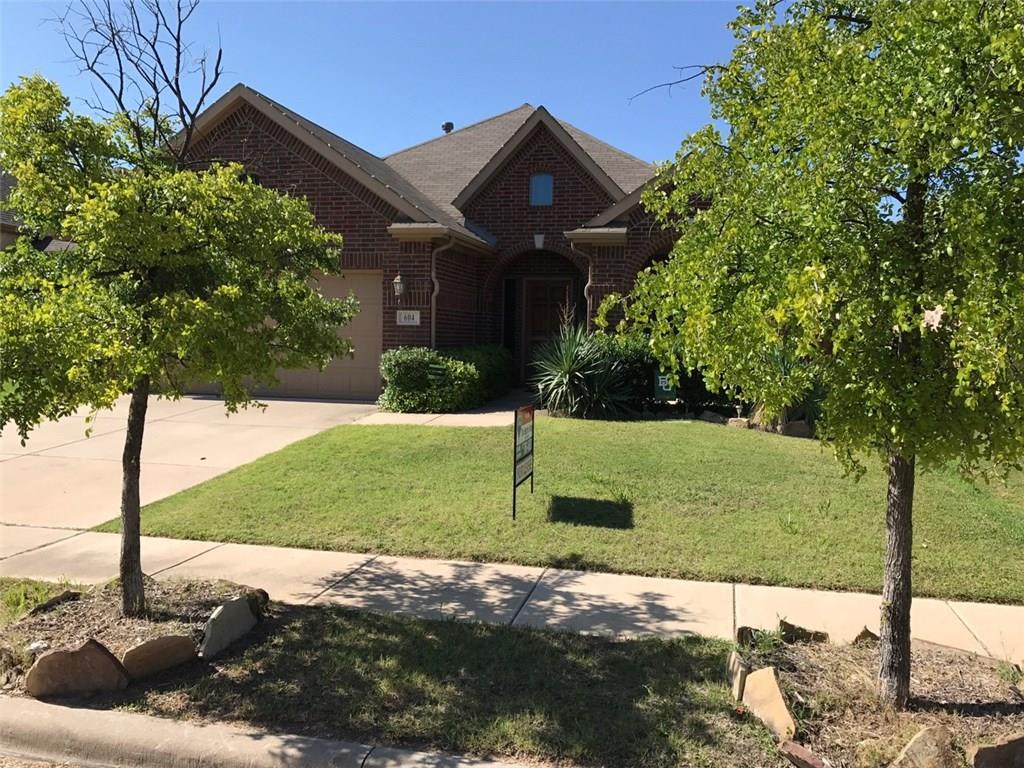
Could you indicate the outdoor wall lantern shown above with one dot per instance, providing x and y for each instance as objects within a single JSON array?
[{"x": 399, "y": 285}]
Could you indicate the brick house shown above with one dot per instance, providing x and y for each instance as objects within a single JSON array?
[{"x": 487, "y": 234}]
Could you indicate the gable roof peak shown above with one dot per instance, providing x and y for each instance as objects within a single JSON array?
[
  {"x": 366, "y": 168},
  {"x": 483, "y": 122}
]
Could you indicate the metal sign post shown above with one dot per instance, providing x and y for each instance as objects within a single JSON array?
[{"x": 522, "y": 451}]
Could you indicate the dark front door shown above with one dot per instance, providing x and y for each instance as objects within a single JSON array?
[{"x": 547, "y": 303}]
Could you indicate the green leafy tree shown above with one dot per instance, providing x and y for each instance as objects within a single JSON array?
[
  {"x": 175, "y": 277},
  {"x": 866, "y": 223}
]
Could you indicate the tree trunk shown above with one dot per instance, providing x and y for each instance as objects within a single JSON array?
[
  {"x": 894, "y": 665},
  {"x": 133, "y": 595}
]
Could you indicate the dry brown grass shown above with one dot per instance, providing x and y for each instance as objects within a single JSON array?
[{"x": 832, "y": 694}]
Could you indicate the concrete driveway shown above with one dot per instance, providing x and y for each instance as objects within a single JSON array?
[{"x": 62, "y": 479}]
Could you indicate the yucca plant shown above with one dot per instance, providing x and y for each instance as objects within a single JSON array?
[{"x": 576, "y": 377}]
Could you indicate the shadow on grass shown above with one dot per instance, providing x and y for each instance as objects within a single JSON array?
[
  {"x": 472, "y": 689},
  {"x": 600, "y": 513}
]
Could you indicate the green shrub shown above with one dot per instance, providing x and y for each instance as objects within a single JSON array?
[
  {"x": 636, "y": 365},
  {"x": 492, "y": 361},
  {"x": 578, "y": 376},
  {"x": 422, "y": 380}
]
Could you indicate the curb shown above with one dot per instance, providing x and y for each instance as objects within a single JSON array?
[{"x": 92, "y": 737}]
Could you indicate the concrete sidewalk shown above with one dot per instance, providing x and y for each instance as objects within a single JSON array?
[{"x": 598, "y": 603}]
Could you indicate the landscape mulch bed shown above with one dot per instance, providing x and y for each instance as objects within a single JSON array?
[
  {"x": 179, "y": 607},
  {"x": 831, "y": 689},
  {"x": 832, "y": 694}
]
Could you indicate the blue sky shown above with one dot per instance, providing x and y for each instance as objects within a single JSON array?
[{"x": 386, "y": 75}]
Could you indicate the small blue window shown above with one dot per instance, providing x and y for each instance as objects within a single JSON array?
[{"x": 542, "y": 189}]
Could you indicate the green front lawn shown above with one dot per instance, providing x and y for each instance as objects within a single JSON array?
[
  {"x": 681, "y": 499},
  {"x": 475, "y": 689}
]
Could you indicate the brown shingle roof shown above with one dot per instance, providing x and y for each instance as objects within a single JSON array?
[
  {"x": 444, "y": 166},
  {"x": 629, "y": 172},
  {"x": 374, "y": 166}
]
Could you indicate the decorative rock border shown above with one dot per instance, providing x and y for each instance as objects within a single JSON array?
[
  {"x": 152, "y": 656},
  {"x": 87, "y": 669},
  {"x": 759, "y": 691},
  {"x": 92, "y": 668},
  {"x": 1007, "y": 753}
]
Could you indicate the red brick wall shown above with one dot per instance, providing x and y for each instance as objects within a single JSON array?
[
  {"x": 460, "y": 318},
  {"x": 340, "y": 203},
  {"x": 282, "y": 162},
  {"x": 469, "y": 300},
  {"x": 413, "y": 262},
  {"x": 503, "y": 207}
]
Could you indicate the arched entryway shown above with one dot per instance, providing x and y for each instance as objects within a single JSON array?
[{"x": 532, "y": 294}]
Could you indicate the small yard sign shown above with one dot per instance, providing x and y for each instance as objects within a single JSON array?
[
  {"x": 663, "y": 389},
  {"x": 407, "y": 317},
  {"x": 522, "y": 455}
]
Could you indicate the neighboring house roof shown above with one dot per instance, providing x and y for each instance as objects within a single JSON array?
[
  {"x": 445, "y": 167},
  {"x": 10, "y": 223},
  {"x": 8, "y": 220}
]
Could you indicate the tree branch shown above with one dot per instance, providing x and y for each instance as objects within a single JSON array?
[
  {"x": 141, "y": 60},
  {"x": 702, "y": 71}
]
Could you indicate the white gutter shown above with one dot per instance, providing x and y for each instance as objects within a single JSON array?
[
  {"x": 437, "y": 288},
  {"x": 590, "y": 277}
]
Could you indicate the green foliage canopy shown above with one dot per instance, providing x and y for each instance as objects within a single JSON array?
[
  {"x": 179, "y": 275},
  {"x": 866, "y": 224}
]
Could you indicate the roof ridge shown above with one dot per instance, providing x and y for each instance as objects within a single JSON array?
[{"x": 459, "y": 130}]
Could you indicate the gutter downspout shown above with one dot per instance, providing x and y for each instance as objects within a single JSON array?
[
  {"x": 590, "y": 277},
  {"x": 437, "y": 289}
]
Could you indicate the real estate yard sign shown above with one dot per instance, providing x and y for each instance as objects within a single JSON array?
[{"x": 522, "y": 456}]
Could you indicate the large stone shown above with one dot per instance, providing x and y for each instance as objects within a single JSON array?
[
  {"x": 259, "y": 600},
  {"x": 792, "y": 633},
  {"x": 64, "y": 597},
  {"x": 738, "y": 423},
  {"x": 865, "y": 636},
  {"x": 712, "y": 417},
  {"x": 737, "y": 669},
  {"x": 156, "y": 655},
  {"x": 1008, "y": 753},
  {"x": 763, "y": 697},
  {"x": 801, "y": 756},
  {"x": 932, "y": 747},
  {"x": 226, "y": 624},
  {"x": 86, "y": 669},
  {"x": 797, "y": 429},
  {"x": 746, "y": 636}
]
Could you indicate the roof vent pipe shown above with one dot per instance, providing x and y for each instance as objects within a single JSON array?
[{"x": 448, "y": 127}]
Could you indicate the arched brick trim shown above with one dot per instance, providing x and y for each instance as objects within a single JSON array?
[
  {"x": 642, "y": 257},
  {"x": 521, "y": 248}
]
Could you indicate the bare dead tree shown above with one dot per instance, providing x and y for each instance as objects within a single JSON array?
[
  {"x": 148, "y": 79},
  {"x": 145, "y": 70}
]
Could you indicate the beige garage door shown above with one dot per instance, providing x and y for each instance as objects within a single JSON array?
[{"x": 357, "y": 377}]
